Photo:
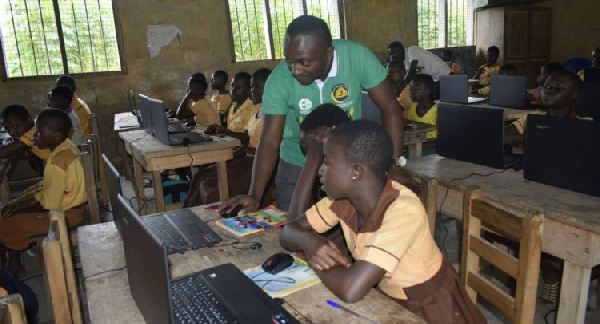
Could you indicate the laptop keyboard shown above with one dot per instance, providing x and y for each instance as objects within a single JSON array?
[
  {"x": 165, "y": 232},
  {"x": 192, "y": 137},
  {"x": 191, "y": 228},
  {"x": 194, "y": 302}
]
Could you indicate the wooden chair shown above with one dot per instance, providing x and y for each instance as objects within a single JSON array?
[
  {"x": 522, "y": 226},
  {"x": 14, "y": 312},
  {"x": 59, "y": 272},
  {"x": 87, "y": 159},
  {"x": 98, "y": 153}
]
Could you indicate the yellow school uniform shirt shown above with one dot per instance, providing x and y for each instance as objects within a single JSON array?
[
  {"x": 581, "y": 75},
  {"x": 404, "y": 100},
  {"x": 254, "y": 126},
  {"x": 27, "y": 139},
  {"x": 521, "y": 123},
  {"x": 83, "y": 112},
  {"x": 484, "y": 78},
  {"x": 238, "y": 119},
  {"x": 395, "y": 237},
  {"x": 430, "y": 117},
  {"x": 206, "y": 114},
  {"x": 485, "y": 91},
  {"x": 63, "y": 185},
  {"x": 221, "y": 102}
]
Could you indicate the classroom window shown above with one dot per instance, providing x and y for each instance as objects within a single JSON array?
[
  {"x": 445, "y": 23},
  {"x": 258, "y": 26},
  {"x": 52, "y": 37}
]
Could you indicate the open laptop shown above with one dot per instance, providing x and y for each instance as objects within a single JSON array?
[
  {"x": 179, "y": 230},
  {"x": 591, "y": 74},
  {"x": 455, "y": 88},
  {"x": 222, "y": 294},
  {"x": 133, "y": 105},
  {"x": 588, "y": 103},
  {"x": 144, "y": 111},
  {"x": 471, "y": 134},
  {"x": 563, "y": 153},
  {"x": 508, "y": 91},
  {"x": 161, "y": 130}
]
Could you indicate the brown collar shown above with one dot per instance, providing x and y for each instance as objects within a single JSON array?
[{"x": 347, "y": 213}]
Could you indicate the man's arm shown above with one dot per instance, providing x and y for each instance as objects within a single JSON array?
[{"x": 391, "y": 111}]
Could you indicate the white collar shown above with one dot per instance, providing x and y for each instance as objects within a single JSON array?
[{"x": 332, "y": 71}]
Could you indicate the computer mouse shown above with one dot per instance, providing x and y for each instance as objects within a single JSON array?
[
  {"x": 231, "y": 213},
  {"x": 190, "y": 124},
  {"x": 277, "y": 263}
]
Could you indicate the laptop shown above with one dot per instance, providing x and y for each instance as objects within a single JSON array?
[
  {"x": 144, "y": 111},
  {"x": 508, "y": 91},
  {"x": 588, "y": 104},
  {"x": 563, "y": 153},
  {"x": 179, "y": 230},
  {"x": 133, "y": 105},
  {"x": 161, "y": 130},
  {"x": 471, "y": 134},
  {"x": 222, "y": 294},
  {"x": 591, "y": 74},
  {"x": 455, "y": 88}
]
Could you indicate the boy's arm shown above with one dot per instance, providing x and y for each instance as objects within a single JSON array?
[
  {"x": 182, "y": 111},
  {"x": 353, "y": 283},
  {"x": 12, "y": 148}
]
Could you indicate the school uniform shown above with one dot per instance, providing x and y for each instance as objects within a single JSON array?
[
  {"x": 237, "y": 119},
  {"x": 430, "y": 117},
  {"x": 205, "y": 112},
  {"x": 76, "y": 134},
  {"x": 83, "y": 112},
  {"x": 221, "y": 102},
  {"x": 63, "y": 187},
  {"x": 485, "y": 91},
  {"x": 27, "y": 139},
  {"x": 254, "y": 126},
  {"x": 397, "y": 239},
  {"x": 484, "y": 78},
  {"x": 404, "y": 100}
]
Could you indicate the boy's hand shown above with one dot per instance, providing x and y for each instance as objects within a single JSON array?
[{"x": 323, "y": 254}]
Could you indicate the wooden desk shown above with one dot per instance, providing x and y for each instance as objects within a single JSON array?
[
  {"x": 110, "y": 301},
  {"x": 414, "y": 138},
  {"x": 510, "y": 114},
  {"x": 154, "y": 156},
  {"x": 571, "y": 227}
]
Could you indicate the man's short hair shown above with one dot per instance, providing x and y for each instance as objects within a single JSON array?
[
  {"x": 221, "y": 74},
  {"x": 507, "y": 67},
  {"x": 572, "y": 78},
  {"x": 310, "y": 25},
  {"x": 262, "y": 74},
  {"x": 366, "y": 143},
  {"x": 62, "y": 92},
  {"x": 16, "y": 111},
  {"x": 553, "y": 67},
  {"x": 199, "y": 79},
  {"x": 494, "y": 49},
  {"x": 66, "y": 80},
  {"x": 56, "y": 120},
  {"x": 396, "y": 45},
  {"x": 244, "y": 76},
  {"x": 324, "y": 115}
]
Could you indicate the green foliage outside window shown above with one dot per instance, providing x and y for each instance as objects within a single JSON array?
[{"x": 443, "y": 23}]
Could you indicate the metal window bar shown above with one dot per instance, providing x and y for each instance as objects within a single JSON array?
[
  {"x": 45, "y": 39},
  {"x": 35, "y": 65},
  {"x": 77, "y": 36},
  {"x": 16, "y": 38},
  {"x": 103, "y": 36},
  {"x": 87, "y": 19}
]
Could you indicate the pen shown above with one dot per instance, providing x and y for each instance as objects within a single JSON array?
[{"x": 336, "y": 305}]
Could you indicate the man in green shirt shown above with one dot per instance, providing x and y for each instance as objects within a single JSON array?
[{"x": 316, "y": 70}]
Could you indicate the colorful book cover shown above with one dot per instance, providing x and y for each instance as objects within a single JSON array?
[
  {"x": 295, "y": 278},
  {"x": 254, "y": 222}
]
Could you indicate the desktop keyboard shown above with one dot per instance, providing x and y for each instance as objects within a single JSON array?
[
  {"x": 165, "y": 232},
  {"x": 194, "y": 302}
]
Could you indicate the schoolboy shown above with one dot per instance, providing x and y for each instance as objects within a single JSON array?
[
  {"x": 595, "y": 63},
  {"x": 506, "y": 69},
  {"x": 60, "y": 97},
  {"x": 79, "y": 106},
  {"x": 396, "y": 75},
  {"x": 535, "y": 95},
  {"x": 220, "y": 98},
  {"x": 63, "y": 187},
  {"x": 19, "y": 125},
  {"x": 241, "y": 107},
  {"x": 195, "y": 105},
  {"x": 490, "y": 67},
  {"x": 423, "y": 109},
  {"x": 385, "y": 227},
  {"x": 447, "y": 58}
]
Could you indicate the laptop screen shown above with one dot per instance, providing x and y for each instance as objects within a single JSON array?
[
  {"x": 159, "y": 120},
  {"x": 563, "y": 153},
  {"x": 471, "y": 134},
  {"x": 454, "y": 88},
  {"x": 146, "y": 114},
  {"x": 508, "y": 91}
]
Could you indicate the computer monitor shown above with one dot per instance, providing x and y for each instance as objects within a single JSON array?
[
  {"x": 508, "y": 91},
  {"x": 455, "y": 88},
  {"x": 591, "y": 74},
  {"x": 588, "y": 103}
]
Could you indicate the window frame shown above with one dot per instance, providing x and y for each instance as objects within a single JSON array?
[
  {"x": 271, "y": 46},
  {"x": 444, "y": 23},
  {"x": 120, "y": 44}
]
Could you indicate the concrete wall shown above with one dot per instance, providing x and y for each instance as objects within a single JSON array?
[{"x": 205, "y": 47}]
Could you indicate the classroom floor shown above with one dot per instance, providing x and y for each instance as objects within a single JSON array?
[{"x": 448, "y": 236}]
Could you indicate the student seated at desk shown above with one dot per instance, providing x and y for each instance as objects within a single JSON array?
[
  {"x": 241, "y": 106},
  {"x": 490, "y": 67},
  {"x": 506, "y": 69},
  {"x": 60, "y": 98},
  {"x": 559, "y": 95},
  {"x": 535, "y": 95},
  {"x": 447, "y": 58},
  {"x": 19, "y": 125},
  {"x": 595, "y": 63},
  {"x": 79, "y": 106},
  {"x": 396, "y": 74},
  {"x": 384, "y": 224},
  {"x": 220, "y": 98},
  {"x": 63, "y": 187},
  {"x": 424, "y": 109},
  {"x": 195, "y": 105}
]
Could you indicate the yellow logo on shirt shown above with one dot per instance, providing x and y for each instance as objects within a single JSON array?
[{"x": 340, "y": 93}]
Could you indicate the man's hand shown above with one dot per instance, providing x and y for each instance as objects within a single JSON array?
[
  {"x": 323, "y": 254},
  {"x": 248, "y": 203}
]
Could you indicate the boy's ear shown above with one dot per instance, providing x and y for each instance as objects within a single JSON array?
[{"x": 357, "y": 172}]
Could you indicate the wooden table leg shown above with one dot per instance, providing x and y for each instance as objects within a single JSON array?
[
  {"x": 138, "y": 182},
  {"x": 573, "y": 294},
  {"x": 415, "y": 150},
  {"x": 158, "y": 191},
  {"x": 222, "y": 175}
]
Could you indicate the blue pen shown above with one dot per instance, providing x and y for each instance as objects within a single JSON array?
[{"x": 336, "y": 305}]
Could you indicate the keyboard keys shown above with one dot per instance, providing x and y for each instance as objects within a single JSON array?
[{"x": 193, "y": 302}]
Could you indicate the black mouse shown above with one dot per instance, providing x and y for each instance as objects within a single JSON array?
[
  {"x": 190, "y": 124},
  {"x": 231, "y": 213},
  {"x": 277, "y": 263}
]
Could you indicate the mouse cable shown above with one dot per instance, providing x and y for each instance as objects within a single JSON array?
[{"x": 103, "y": 272}]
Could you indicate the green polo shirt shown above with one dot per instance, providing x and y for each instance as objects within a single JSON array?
[{"x": 354, "y": 68}]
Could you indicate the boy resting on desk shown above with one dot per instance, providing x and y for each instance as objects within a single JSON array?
[
  {"x": 384, "y": 224},
  {"x": 195, "y": 105},
  {"x": 63, "y": 187}
]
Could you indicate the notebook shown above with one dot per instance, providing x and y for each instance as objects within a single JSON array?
[
  {"x": 179, "y": 230},
  {"x": 471, "y": 134},
  {"x": 254, "y": 222},
  {"x": 161, "y": 130},
  {"x": 455, "y": 88},
  {"x": 563, "y": 153},
  {"x": 508, "y": 91},
  {"x": 222, "y": 294}
]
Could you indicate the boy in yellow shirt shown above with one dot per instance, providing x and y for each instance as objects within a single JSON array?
[
  {"x": 396, "y": 74},
  {"x": 220, "y": 98},
  {"x": 79, "y": 106},
  {"x": 195, "y": 105},
  {"x": 490, "y": 67},
  {"x": 423, "y": 109},
  {"x": 63, "y": 187},
  {"x": 19, "y": 125}
]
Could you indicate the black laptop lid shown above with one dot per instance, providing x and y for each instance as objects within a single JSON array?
[
  {"x": 147, "y": 267},
  {"x": 159, "y": 120},
  {"x": 113, "y": 182},
  {"x": 591, "y": 74},
  {"x": 588, "y": 104},
  {"x": 454, "y": 88},
  {"x": 508, "y": 91},
  {"x": 563, "y": 153},
  {"x": 471, "y": 134},
  {"x": 146, "y": 114}
]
